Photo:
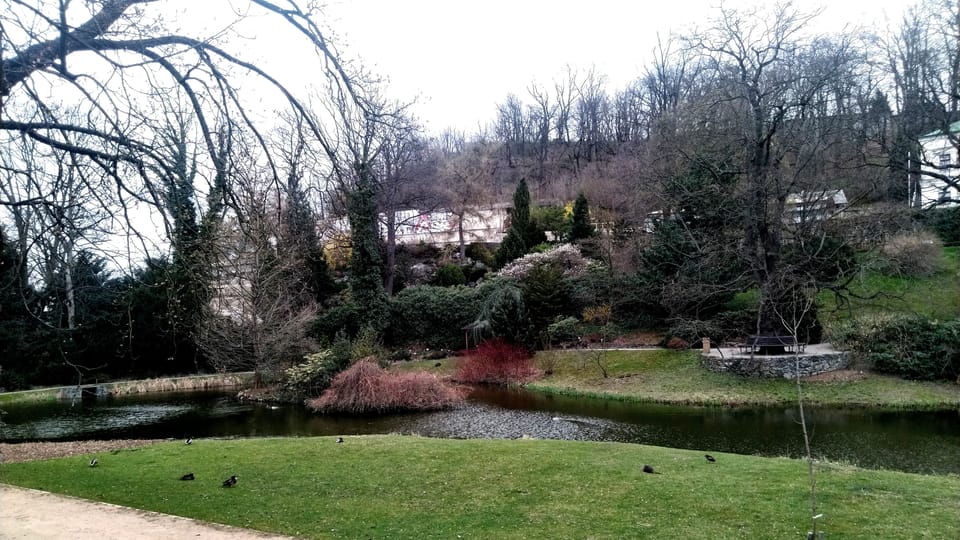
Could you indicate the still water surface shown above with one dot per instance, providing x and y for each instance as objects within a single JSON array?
[{"x": 915, "y": 441}]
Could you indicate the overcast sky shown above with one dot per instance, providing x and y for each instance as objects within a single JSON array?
[{"x": 462, "y": 57}]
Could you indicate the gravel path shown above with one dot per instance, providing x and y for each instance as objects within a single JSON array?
[{"x": 30, "y": 514}]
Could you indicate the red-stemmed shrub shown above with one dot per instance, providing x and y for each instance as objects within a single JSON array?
[
  {"x": 365, "y": 387},
  {"x": 496, "y": 362}
]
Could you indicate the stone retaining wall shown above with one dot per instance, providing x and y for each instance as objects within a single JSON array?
[{"x": 778, "y": 365}]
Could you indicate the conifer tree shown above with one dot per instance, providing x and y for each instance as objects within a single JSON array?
[
  {"x": 581, "y": 227},
  {"x": 515, "y": 243}
]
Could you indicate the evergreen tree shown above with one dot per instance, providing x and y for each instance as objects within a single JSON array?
[
  {"x": 515, "y": 244},
  {"x": 581, "y": 227},
  {"x": 366, "y": 282},
  {"x": 300, "y": 236}
]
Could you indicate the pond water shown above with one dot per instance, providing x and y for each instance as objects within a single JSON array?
[{"x": 914, "y": 441}]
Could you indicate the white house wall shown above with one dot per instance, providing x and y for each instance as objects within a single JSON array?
[{"x": 939, "y": 151}]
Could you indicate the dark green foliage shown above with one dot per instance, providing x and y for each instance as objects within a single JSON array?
[
  {"x": 503, "y": 314},
  {"x": 550, "y": 218},
  {"x": 343, "y": 318},
  {"x": 545, "y": 296},
  {"x": 580, "y": 226},
  {"x": 511, "y": 248},
  {"x": 300, "y": 237},
  {"x": 521, "y": 234},
  {"x": 450, "y": 275},
  {"x": 152, "y": 344},
  {"x": 16, "y": 359},
  {"x": 366, "y": 266},
  {"x": 480, "y": 252},
  {"x": 692, "y": 266},
  {"x": 433, "y": 316},
  {"x": 911, "y": 346},
  {"x": 943, "y": 221}
]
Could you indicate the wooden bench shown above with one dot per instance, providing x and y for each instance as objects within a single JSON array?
[{"x": 771, "y": 345}]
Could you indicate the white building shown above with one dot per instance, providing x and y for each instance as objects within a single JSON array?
[
  {"x": 815, "y": 206},
  {"x": 939, "y": 158}
]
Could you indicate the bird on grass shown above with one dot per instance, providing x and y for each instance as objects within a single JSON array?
[
  {"x": 230, "y": 482},
  {"x": 710, "y": 458},
  {"x": 339, "y": 440},
  {"x": 188, "y": 476},
  {"x": 94, "y": 462},
  {"x": 649, "y": 470},
  {"x": 189, "y": 441}
]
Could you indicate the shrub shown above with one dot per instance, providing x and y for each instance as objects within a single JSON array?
[
  {"x": 480, "y": 252},
  {"x": 342, "y": 318},
  {"x": 945, "y": 222},
  {"x": 450, "y": 275},
  {"x": 565, "y": 256},
  {"x": 313, "y": 375},
  {"x": 597, "y": 314},
  {"x": 564, "y": 329},
  {"x": 677, "y": 344},
  {"x": 496, "y": 362},
  {"x": 912, "y": 346},
  {"x": 367, "y": 388},
  {"x": 366, "y": 344},
  {"x": 691, "y": 331},
  {"x": 912, "y": 254},
  {"x": 433, "y": 316}
]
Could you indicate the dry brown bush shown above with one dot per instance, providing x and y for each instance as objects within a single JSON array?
[
  {"x": 366, "y": 387},
  {"x": 917, "y": 253}
]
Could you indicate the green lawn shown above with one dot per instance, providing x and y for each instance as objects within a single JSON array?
[
  {"x": 936, "y": 296},
  {"x": 678, "y": 377},
  {"x": 409, "y": 487}
]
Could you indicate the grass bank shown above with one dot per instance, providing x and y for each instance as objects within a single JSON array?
[
  {"x": 141, "y": 386},
  {"x": 666, "y": 376},
  {"x": 677, "y": 377},
  {"x": 936, "y": 296},
  {"x": 411, "y": 487}
]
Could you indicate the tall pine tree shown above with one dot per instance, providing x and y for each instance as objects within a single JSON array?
[
  {"x": 581, "y": 227},
  {"x": 515, "y": 244}
]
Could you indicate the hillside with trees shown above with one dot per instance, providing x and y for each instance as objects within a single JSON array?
[{"x": 155, "y": 222}]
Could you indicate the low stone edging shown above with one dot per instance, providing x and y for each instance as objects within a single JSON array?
[{"x": 777, "y": 366}]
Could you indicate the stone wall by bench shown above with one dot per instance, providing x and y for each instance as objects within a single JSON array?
[{"x": 778, "y": 365}]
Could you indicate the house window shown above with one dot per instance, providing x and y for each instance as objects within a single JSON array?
[{"x": 945, "y": 159}]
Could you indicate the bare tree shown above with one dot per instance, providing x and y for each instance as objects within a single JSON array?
[
  {"x": 923, "y": 56},
  {"x": 466, "y": 188},
  {"x": 769, "y": 89},
  {"x": 541, "y": 117},
  {"x": 262, "y": 304},
  {"x": 115, "y": 60},
  {"x": 402, "y": 169}
]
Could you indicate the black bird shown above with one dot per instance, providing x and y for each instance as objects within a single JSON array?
[
  {"x": 339, "y": 440},
  {"x": 94, "y": 462},
  {"x": 710, "y": 458},
  {"x": 188, "y": 476},
  {"x": 230, "y": 482},
  {"x": 188, "y": 441},
  {"x": 649, "y": 470}
]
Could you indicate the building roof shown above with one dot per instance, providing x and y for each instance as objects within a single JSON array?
[{"x": 954, "y": 128}]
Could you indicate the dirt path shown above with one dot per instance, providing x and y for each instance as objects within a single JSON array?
[{"x": 31, "y": 514}]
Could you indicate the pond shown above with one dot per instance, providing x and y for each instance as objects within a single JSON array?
[{"x": 913, "y": 441}]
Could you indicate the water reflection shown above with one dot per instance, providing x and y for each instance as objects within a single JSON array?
[{"x": 911, "y": 441}]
